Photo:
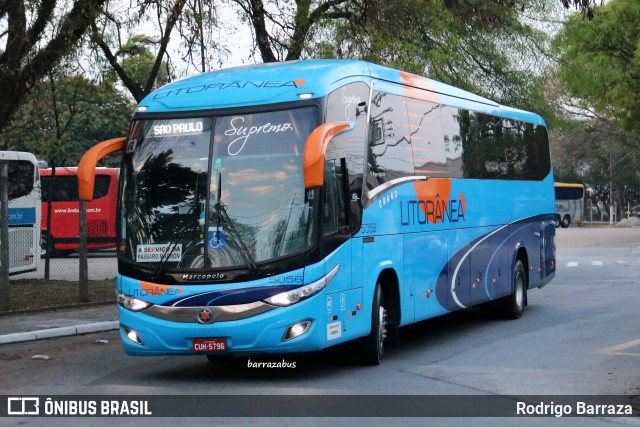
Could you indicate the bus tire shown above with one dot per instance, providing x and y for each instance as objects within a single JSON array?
[
  {"x": 557, "y": 221},
  {"x": 50, "y": 247},
  {"x": 566, "y": 221},
  {"x": 372, "y": 348},
  {"x": 512, "y": 306}
]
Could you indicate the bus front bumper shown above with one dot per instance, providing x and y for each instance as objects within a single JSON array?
[{"x": 267, "y": 332}]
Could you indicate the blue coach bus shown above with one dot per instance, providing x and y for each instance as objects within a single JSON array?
[{"x": 294, "y": 206}]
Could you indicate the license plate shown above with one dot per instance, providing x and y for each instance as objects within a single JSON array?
[{"x": 209, "y": 345}]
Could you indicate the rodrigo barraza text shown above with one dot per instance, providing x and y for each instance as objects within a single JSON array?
[{"x": 578, "y": 408}]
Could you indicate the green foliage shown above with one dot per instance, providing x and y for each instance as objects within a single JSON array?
[
  {"x": 478, "y": 45},
  {"x": 599, "y": 67},
  {"x": 65, "y": 116},
  {"x": 34, "y": 37},
  {"x": 597, "y": 154},
  {"x": 137, "y": 61},
  {"x": 600, "y": 61}
]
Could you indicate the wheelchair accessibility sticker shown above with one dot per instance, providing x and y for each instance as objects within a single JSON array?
[{"x": 216, "y": 238}]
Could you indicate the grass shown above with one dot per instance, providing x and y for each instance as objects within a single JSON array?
[{"x": 39, "y": 294}]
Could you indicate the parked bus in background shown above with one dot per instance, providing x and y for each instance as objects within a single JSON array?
[
  {"x": 569, "y": 203},
  {"x": 24, "y": 211},
  {"x": 294, "y": 206},
  {"x": 61, "y": 190}
]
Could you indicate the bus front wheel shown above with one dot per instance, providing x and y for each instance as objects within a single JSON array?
[
  {"x": 372, "y": 348},
  {"x": 566, "y": 221}
]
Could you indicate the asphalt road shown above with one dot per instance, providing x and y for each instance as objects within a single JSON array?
[{"x": 579, "y": 336}]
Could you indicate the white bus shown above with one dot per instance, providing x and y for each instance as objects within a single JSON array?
[
  {"x": 24, "y": 211},
  {"x": 569, "y": 204}
]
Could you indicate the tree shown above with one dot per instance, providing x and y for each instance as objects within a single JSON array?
[
  {"x": 136, "y": 63},
  {"x": 107, "y": 29},
  {"x": 587, "y": 7},
  {"x": 479, "y": 45},
  {"x": 38, "y": 34},
  {"x": 194, "y": 21},
  {"x": 600, "y": 62},
  {"x": 64, "y": 116},
  {"x": 596, "y": 153}
]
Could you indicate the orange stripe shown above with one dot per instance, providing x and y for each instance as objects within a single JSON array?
[
  {"x": 432, "y": 190},
  {"x": 418, "y": 87}
]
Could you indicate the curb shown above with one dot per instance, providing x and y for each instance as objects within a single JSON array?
[
  {"x": 59, "y": 332},
  {"x": 7, "y": 313}
]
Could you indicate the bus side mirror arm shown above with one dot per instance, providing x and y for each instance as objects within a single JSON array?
[
  {"x": 87, "y": 165},
  {"x": 315, "y": 149}
]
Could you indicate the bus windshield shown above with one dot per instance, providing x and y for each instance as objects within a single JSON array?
[{"x": 217, "y": 192}]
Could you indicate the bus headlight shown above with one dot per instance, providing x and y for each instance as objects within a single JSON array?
[
  {"x": 131, "y": 303},
  {"x": 287, "y": 298}
]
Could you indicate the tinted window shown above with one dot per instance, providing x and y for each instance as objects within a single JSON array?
[
  {"x": 569, "y": 193},
  {"x": 499, "y": 148},
  {"x": 390, "y": 154},
  {"x": 483, "y": 146},
  {"x": 65, "y": 188},
  {"x": 219, "y": 190},
  {"x": 348, "y": 103},
  {"x": 451, "y": 135},
  {"x": 425, "y": 134},
  {"x": 21, "y": 175}
]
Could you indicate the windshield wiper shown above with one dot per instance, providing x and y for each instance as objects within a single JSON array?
[
  {"x": 221, "y": 211},
  {"x": 190, "y": 226}
]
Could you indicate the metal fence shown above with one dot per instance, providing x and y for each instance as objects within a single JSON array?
[{"x": 61, "y": 262}]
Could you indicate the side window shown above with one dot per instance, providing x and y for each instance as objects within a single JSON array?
[
  {"x": 346, "y": 152},
  {"x": 21, "y": 174},
  {"x": 389, "y": 149},
  {"x": 480, "y": 151},
  {"x": 452, "y": 120},
  {"x": 536, "y": 142},
  {"x": 60, "y": 188},
  {"x": 335, "y": 213},
  {"x": 427, "y": 140},
  {"x": 569, "y": 193},
  {"x": 482, "y": 146},
  {"x": 499, "y": 148},
  {"x": 101, "y": 187}
]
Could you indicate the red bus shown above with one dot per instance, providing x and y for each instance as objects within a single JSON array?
[{"x": 61, "y": 190}]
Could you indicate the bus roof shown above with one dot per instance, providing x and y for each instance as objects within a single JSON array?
[
  {"x": 286, "y": 81},
  {"x": 564, "y": 184},
  {"x": 18, "y": 155}
]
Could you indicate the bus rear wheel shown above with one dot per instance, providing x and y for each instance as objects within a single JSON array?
[
  {"x": 566, "y": 221},
  {"x": 372, "y": 349},
  {"x": 512, "y": 306}
]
